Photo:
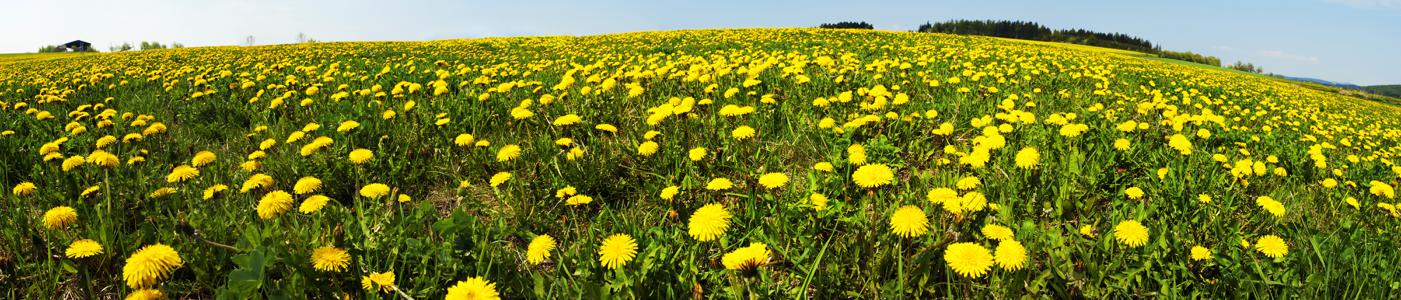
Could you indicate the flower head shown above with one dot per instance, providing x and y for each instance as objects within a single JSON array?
[
  {"x": 475, "y": 288},
  {"x": 361, "y": 155},
  {"x": 719, "y": 184},
  {"x": 1272, "y": 246},
  {"x": 968, "y": 259},
  {"x": 374, "y": 190},
  {"x": 873, "y": 175},
  {"x": 617, "y": 250},
  {"x": 539, "y": 249},
  {"x": 747, "y": 258},
  {"x": 149, "y": 265},
  {"x": 909, "y": 221},
  {"x": 330, "y": 259},
  {"x": 384, "y": 282},
  {"x": 1027, "y": 158},
  {"x": 709, "y": 222},
  {"x": 773, "y": 180},
  {"x": 1131, "y": 233},
  {"x": 1200, "y": 253},
  {"x": 273, "y": 204},
  {"x": 83, "y": 248},
  {"x": 1010, "y": 255},
  {"x": 59, "y": 217}
]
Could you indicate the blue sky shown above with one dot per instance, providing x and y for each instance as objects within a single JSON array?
[{"x": 1340, "y": 40}]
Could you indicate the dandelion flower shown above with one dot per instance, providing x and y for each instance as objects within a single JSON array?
[
  {"x": 719, "y": 184},
  {"x": 1272, "y": 246},
  {"x": 330, "y": 259},
  {"x": 968, "y": 259},
  {"x": 1200, "y": 253},
  {"x": 856, "y": 154},
  {"x": 539, "y": 249},
  {"x": 578, "y": 200},
  {"x": 998, "y": 232},
  {"x": 464, "y": 140},
  {"x": 909, "y": 221},
  {"x": 823, "y": 166},
  {"x": 1131, "y": 233},
  {"x": 669, "y": 192},
  {"x": 59, "y": 217},
  {"x": 181, "y": 173},
  {"x": 696, "y": 154},
  {"x": 24, "y": 189},
  {"x": 203, "y": 158},
  {"x": 83, "y": 248},
  {"x": 307, "y": 185},
  {"x": 384, "y": 282},
  {"x": 1180, "y": 143},
  {"x": 648, "y": 148},
  {"x": 149, "y": 265},
  {"x": 1270, "y": 205},
  {"x": 617, "y": 250},
  {"x": 499, "y": 178},
  {"x": 873, "y": 175},
  {"x": 374, "y": 190},
  {"x": 747, "y": 258},
  {"x": 742, "y": 132},
  {"x": 508, "y": 152},
  {"x": 773, "y": 180},
  {"x": 818, "y": 201},
  {"x": 475, "y": 288},
  {"x": 145, "y": 294},
  {"x": 1134, "y": 192},
  {"x": 1027, "y": 158},
  {"x": 313, "y": 204},
  {"x": 273, "y": 204},
  {"x": 709, "y": 222},
  {"x": 361, "y": 155},
  {"x": 1010, "y": 255},
  {"x": 941, "y": 195}
]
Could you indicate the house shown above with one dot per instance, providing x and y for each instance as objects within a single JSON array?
[{"x": 78, "y": 46}]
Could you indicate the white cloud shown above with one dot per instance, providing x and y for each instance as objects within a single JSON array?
[
  {"x": 1287, "y": 56},
  {"x": 1367, "y": 3}
]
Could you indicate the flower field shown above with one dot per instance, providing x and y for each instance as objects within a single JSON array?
[{"x": 756, "y": 163}]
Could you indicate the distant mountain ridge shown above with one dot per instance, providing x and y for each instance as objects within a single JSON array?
[
  {"x": 1323, "y": 82},
  {"x": 1393, "y": 90}
]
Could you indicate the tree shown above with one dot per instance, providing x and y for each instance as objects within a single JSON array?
[
  {"x": 177, "y": 45},
  {"x": 1247, "y": 67},
  {"x": 125, "y": 46},
  {"x": 847, "y": 25},
  {"x": 51, "y": 49},
  {"x": 151, "y": 45},
  {"x": 249, "y": 41}
]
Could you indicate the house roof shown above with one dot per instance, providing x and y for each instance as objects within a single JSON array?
[{"x": 77, "y": 42}]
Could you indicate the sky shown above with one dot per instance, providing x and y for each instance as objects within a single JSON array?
[{"x": 1351, "y": 41}]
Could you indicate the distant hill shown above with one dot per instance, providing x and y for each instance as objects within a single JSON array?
[
  {"x": 1324, "y": 82},
  {"x": 1393, "y": 90}
]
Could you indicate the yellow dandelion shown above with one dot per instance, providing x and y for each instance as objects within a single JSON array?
[
  {"x": 383, "y": 282},
  {"x": 968, "y": 259},
  {"x": 1270, "y": 205},
  {"x": 909, "y": 221},
  {"x": 83, "y": 248},
  {"x": 150, "y": 264},
  {"x": 747, "y": 258},
  {"x": 145, "y": 294},
  {"x": 508, "y": 152},
  {"x": 361, "y": 155},
  {"x": 1272, "y": 246},
  {"x": 306, "y": 185},
  {"x": 670, "y": 192},
  {"x": 1027, "y": 158},
  {"x": 539, "y": 249},
  {"x": 475, "y": 288},
  {"x": 648, "y": 148},
  {"x": 823, "y": 166},
  {"x": 374, "y": 190},
  {"x": 940, "y": 195},
  {"x": 873, "y": 175},
  {"x": 24, "y": 189},
  {"x": 1010, "y": 255},
  {"x": 1133, "y": 192},
  {"x": 773, "y": 180},
  {"x": 212, "y": 191},
  {"x": 330, "y": 259},
  {"x": 719, "y": 184},
  {"x": 203, "y": 158},
  {"x": 696, "y": 154},
  {"x": 60, "y": 217},
  {"x": 1200, "y": 253},
  {"x": 499, "y": 178},
  {"x": 1131, "y": 233},
  {"x": 273, "y": 204},
  {"x": 617, "y": 250},
  {"x": 709, "y": 222},
  {"x": 742, "y": 132},
  {"x": 998, "y": 232},
  {"x": 313, "y": 204}
]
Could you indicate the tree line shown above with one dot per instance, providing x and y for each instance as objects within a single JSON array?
[{"x": 1033, "y": 31}]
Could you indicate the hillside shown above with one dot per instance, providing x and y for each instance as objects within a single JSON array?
[
  {"x": 738, "y": 163},
  {"x": 1388, "y": 90}
]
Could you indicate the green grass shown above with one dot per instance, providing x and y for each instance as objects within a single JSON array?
[{"x": 955, "y": 109}]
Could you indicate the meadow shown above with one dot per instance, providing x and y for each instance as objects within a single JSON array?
[{"x": 743, "y": 163}]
